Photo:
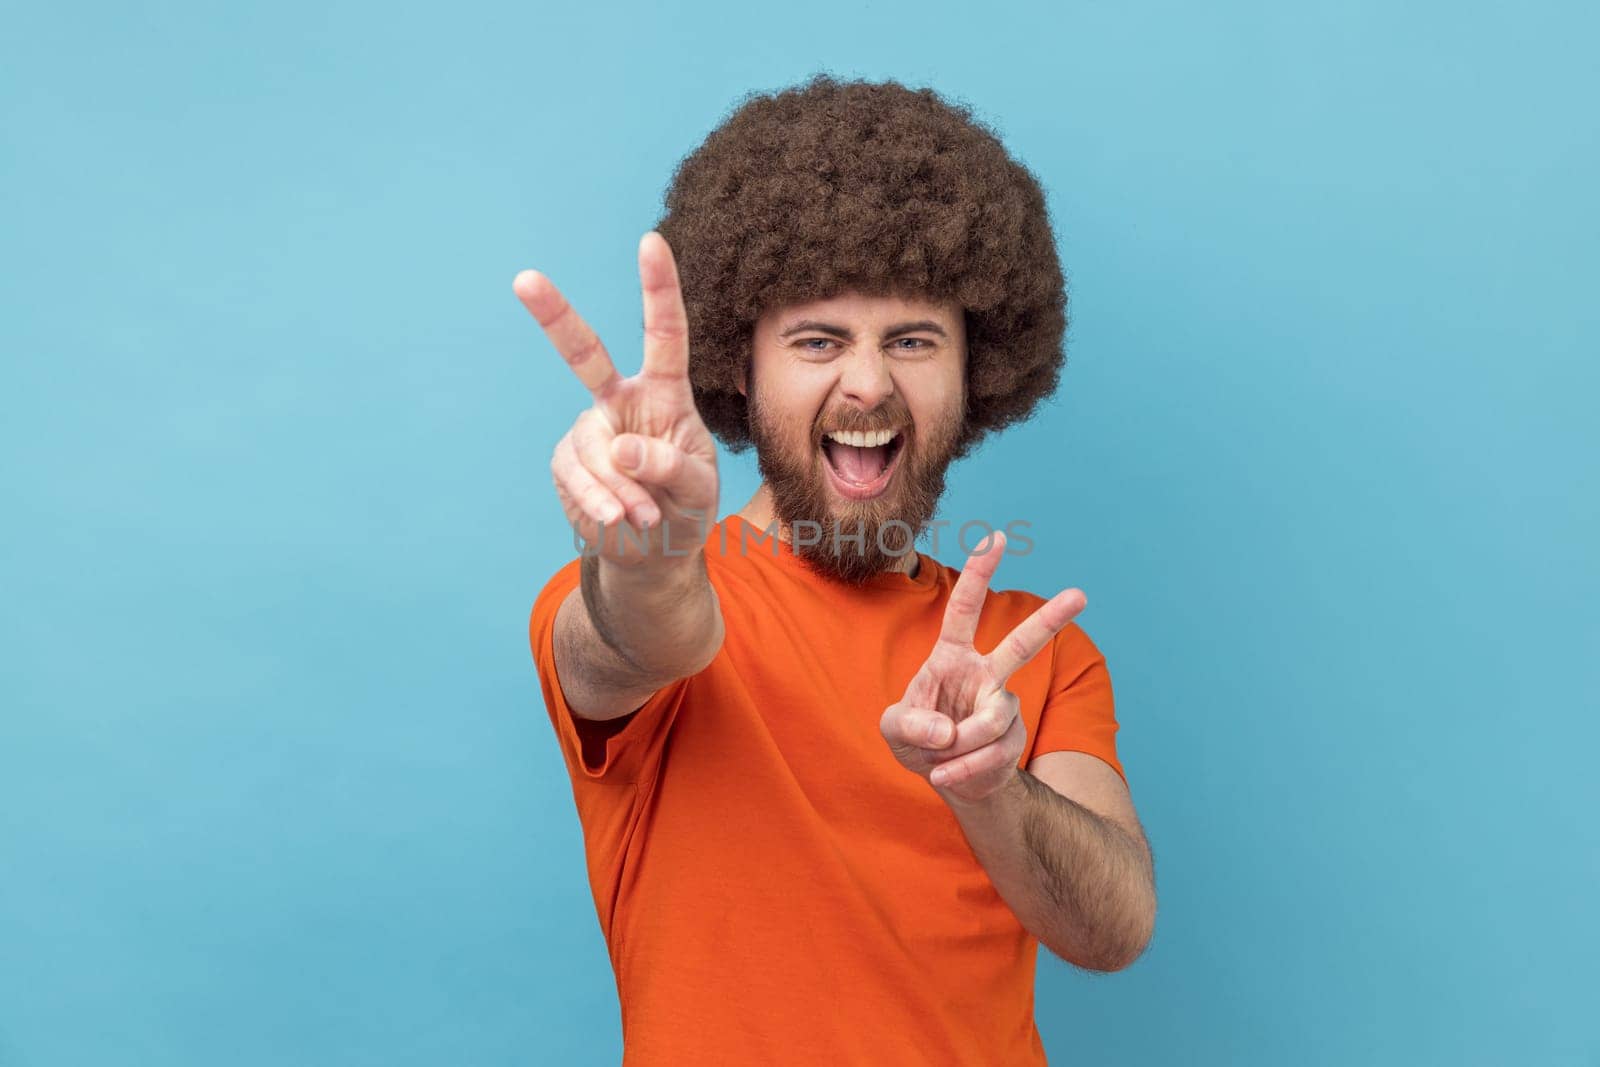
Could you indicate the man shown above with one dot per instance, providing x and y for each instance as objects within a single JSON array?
[{"x": 833, "y": 794}]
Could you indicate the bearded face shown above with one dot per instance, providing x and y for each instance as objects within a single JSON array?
[{"x": 856, "y": 404}]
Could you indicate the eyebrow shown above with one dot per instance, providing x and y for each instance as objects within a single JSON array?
[{"x": 845, "y": 335}]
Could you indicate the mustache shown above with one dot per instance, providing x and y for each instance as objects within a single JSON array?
[{"x": 851, "y": 421}]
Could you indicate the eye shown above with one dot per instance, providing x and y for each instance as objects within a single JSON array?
[
  {"x": 911, "y": 344},
  {"x": 810, "y": 343}
]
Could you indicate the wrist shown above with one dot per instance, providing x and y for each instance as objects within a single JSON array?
[
  {"x": 650, "y": 568},
  {"x": 664, "y": 620},
  {"x": 1009, "y": 795}
]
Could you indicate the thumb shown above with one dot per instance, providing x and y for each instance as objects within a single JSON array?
[
  {"x": 915, "y": 734},
  {"x": 651, "y": 461}
]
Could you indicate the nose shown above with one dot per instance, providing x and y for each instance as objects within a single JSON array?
[{"x": 864, "y": 378}]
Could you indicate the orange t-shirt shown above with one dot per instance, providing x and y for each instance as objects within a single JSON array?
[{"x": 772, "y": 886}]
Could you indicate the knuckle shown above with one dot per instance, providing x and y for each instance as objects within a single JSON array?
[
  {"x": 582, "y": 436},
  {"x": 669, "y": 329},
  {"x": 598, "y": 463},
  {"x": 979, "y": 763},
  {"x": 588, "y": 425},
  {"x": 899, "y": 726},
  {"x": 601, "y": 472},
  {"x": 583, "y": 350},
  {"x": 562, "y": 310},
  {"x": 1017, "y": 647}
]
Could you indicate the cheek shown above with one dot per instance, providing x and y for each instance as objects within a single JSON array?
[
  {"x": 791, "y": 404},
  {"x": 933, "y": 402},
  {"x": 802, "y": 392}
]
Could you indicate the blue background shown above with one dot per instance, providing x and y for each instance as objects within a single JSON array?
[{"x": 276, "y": 783}]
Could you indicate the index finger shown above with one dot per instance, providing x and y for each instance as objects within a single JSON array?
[
  {"x": 966, "y": 599},
  {"x": 566, "y": 329},
  {"x": 666, "y": 324},
  {"x": 1033, "y": 633}
]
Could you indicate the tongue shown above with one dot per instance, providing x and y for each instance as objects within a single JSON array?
[{"x": 859, "y": 465}]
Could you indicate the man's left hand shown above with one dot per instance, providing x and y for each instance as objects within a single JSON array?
[{"x": 957, "y": 725}]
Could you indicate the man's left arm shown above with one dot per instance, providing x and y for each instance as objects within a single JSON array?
[
  {"x": 1064, "y": 848},
  {"x": 1060, "y": 839}
]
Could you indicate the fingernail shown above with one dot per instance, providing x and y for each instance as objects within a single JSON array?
[
  {"x": 939, "y": 732},
  {"x": 628, "y": 453}
]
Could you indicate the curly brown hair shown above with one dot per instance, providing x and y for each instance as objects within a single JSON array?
[{"x": 832, "y": 187}]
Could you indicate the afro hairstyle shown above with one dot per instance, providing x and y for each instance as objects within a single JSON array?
[{"x": 832, "y": 187}]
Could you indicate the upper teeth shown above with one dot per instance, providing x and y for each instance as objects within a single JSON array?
[{"x": 862, "y": 438}]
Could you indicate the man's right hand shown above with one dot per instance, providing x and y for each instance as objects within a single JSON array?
[{"x": 637, "y": 472}]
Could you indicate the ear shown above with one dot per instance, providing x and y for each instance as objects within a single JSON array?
[{"x": 744, "y": 389}]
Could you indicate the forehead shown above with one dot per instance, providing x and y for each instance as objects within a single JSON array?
[{"x": 864, "y": 311}]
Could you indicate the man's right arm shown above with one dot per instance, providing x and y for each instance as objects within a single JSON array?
[
  {"x": 630, "y": 630},
  {"x": 636, "y": 473}
]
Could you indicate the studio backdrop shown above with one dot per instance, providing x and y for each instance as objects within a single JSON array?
[{"x": 277, "y": 785}]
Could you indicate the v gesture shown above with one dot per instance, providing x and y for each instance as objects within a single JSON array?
[
  {"x": 958, "y": 725},
  {"x": 637, "y": 472}
]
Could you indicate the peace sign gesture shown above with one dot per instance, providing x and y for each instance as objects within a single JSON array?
[
  {"x": 641, "y": 457},
  {"x": 957, "y": 725}
]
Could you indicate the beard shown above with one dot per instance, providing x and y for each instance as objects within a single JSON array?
[{"x": 859, "y": 539}]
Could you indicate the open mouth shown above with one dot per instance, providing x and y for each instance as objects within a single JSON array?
[{"x": 861, "y": 463}]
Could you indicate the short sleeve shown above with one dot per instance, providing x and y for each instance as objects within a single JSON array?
[
  {"x": 625, "y": 749},
  {"x": 1079, "y": 713}
]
